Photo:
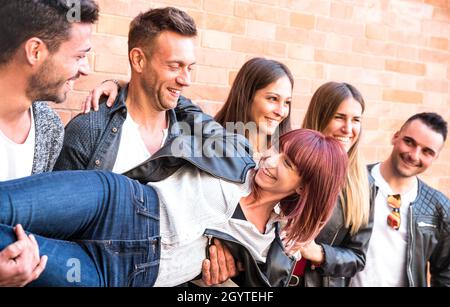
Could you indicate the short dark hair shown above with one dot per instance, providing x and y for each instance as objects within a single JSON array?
[
  {"x": 48, "y": 20},
  {"x": 147, "y": 26},
  {"x": 432, "y": 120}
]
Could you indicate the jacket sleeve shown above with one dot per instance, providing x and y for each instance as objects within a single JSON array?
[
  {"x": 78, "y": 146},
  {"x": 349, "y": 258},
  {"x": 440, "y": 260}
]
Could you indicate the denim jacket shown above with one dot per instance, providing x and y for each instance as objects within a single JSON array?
[{"x": 92, "y": 142}]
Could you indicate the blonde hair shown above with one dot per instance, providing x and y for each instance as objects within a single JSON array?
[{"x": 355, "y": 195}]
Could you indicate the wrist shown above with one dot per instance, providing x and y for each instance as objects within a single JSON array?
[{"x": 320, "y": 259}]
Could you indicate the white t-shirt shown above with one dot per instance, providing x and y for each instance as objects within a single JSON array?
[
  {"x": 132, "y": 149},
  {"x": 192, "y": 201},
  {"x": 16, "y": 160},
  {"x": 386, "y": 256}
]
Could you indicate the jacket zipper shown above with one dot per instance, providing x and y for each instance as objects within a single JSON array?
[
  {"x": 410, "y": 246},
  {"x": 210, "y": 237}
]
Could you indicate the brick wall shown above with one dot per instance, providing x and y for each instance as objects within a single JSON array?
[{"x": 397, "y": 52}]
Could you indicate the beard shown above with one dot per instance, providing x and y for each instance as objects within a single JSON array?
[{"x": 46, "y": 85}]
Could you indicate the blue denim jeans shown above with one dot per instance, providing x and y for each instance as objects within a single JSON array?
[{"x": 97, "y": 228}]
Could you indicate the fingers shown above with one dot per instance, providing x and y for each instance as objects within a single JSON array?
[
  {"x": 12, "y": 251},
  {"x": 40, "y": 268},
  {"x": 214, "y": 265},
  {"x": 96, "y": 94},
  {"x": 86, "y": 106},
  {"x": 20, "y": 233},
  {"x": 112, "y": 93},
  {"x": 34, "y": 248},
  {"x": 206, "y": 272},
  {"x": 221, "y": 260}
]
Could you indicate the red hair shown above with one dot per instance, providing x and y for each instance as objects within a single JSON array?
[{"x": 322, "y": 164}]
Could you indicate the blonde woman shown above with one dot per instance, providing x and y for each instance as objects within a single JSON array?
[{"x": 339, "y": 251}]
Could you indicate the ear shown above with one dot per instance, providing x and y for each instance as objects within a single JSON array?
[
  {"x": 396, "y": 135},
  {"x": 299, "y": 190},
  {"x": 35, "y": 51},
  {"x": 137, "y": 59}
]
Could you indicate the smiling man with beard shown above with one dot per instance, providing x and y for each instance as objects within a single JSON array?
[
  {"x": 411, "y": 224},
  {"x": 42, "y": 53}
]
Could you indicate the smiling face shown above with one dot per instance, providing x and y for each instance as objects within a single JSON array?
[
  {"x": 416, "y": 147},
  {"x": 271, "y": 105},
  {"x": 58, "y": 73},
  {"x": 168, "y": 69},
  {"x": 345, "y": 125},
  {"x": 277, "y": 174}
]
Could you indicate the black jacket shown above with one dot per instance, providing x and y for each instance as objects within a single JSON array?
[
  {"x": 92, "y": 142},
  {"x": 428, "y": 238},
  {"x": 345, "y": 254}
]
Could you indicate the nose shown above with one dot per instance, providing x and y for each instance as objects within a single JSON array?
[
  {"x": 414, "y": 154},
  {"x": 271, "y": 161},
  {"x": 281, "y": 109},
  {"x": 347, "y": 127},
  {"x": 84, "y": 67},
  {"x": 184, "y": 79}
]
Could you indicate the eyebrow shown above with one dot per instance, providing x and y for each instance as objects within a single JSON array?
[
  {"x": 278, "y": 95},
  {"x": 86, "y": 50},
  {"x": 344, "y": 114},
  {"x": 181, "y": 63}
]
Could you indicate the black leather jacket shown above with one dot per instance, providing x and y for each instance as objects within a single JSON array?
[
  {"x": 92, "y": 142},
  {"x": 345, "y": 254},
  {"x": 428, "y": 238}
]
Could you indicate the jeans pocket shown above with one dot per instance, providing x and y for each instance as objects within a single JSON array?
[
  {"x": 144, "y": 275},
  {"x": 145, "y": 200},
  {"x": 128, "y": 263}
]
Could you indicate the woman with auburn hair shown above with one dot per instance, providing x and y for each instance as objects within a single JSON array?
[
  {"x": 122, "y": 233},
  {"x": 339, "y": 251}
]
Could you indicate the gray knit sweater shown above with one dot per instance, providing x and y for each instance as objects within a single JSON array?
[{"x": 49, "y": 137}]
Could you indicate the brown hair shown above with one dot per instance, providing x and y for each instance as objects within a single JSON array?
[
  {"x": 254, "y": 75},
  {"x": 147, "y": 26},
  {"x": 322, "y": 164},
  {"x": 46, "y": 20},
  {"x": 324, "y": 105}
]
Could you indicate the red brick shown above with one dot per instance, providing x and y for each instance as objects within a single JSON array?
[
  {"x": 339, "y": 58},
  {"x": 115, "y": 64},
  {"x": 219, "y": 6},
  {"x": 212, "y": 75},
  {"x": 439, "y": 43},
  {"x": 411, "y": 68},
  {"x": 340, "y": 27},
  {"x": 219, "y": 58},
  {"x": 403, "y": 96},
  {"x": 225, "y": 23},
  {"x": 316, "y": 7},
  {"x": 434, "y": 56},
  {"x": 261, "y": 12},
  {"x": 301, "y": 36},
  {"x": 431, "y": 85},
  {"x": 113, "y": 25},
  {"x": 303, "y": 21},
  {"x": 374, "y": 47},
  {"x": 376, "y": 31},
  {"x": 341, "y": 11}
]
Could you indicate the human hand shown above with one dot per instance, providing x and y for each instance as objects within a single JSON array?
[
  {"x": 20, "y": 263},
  {"x": 108, "y": 88},
  {"x": 221, "y": 265}
]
